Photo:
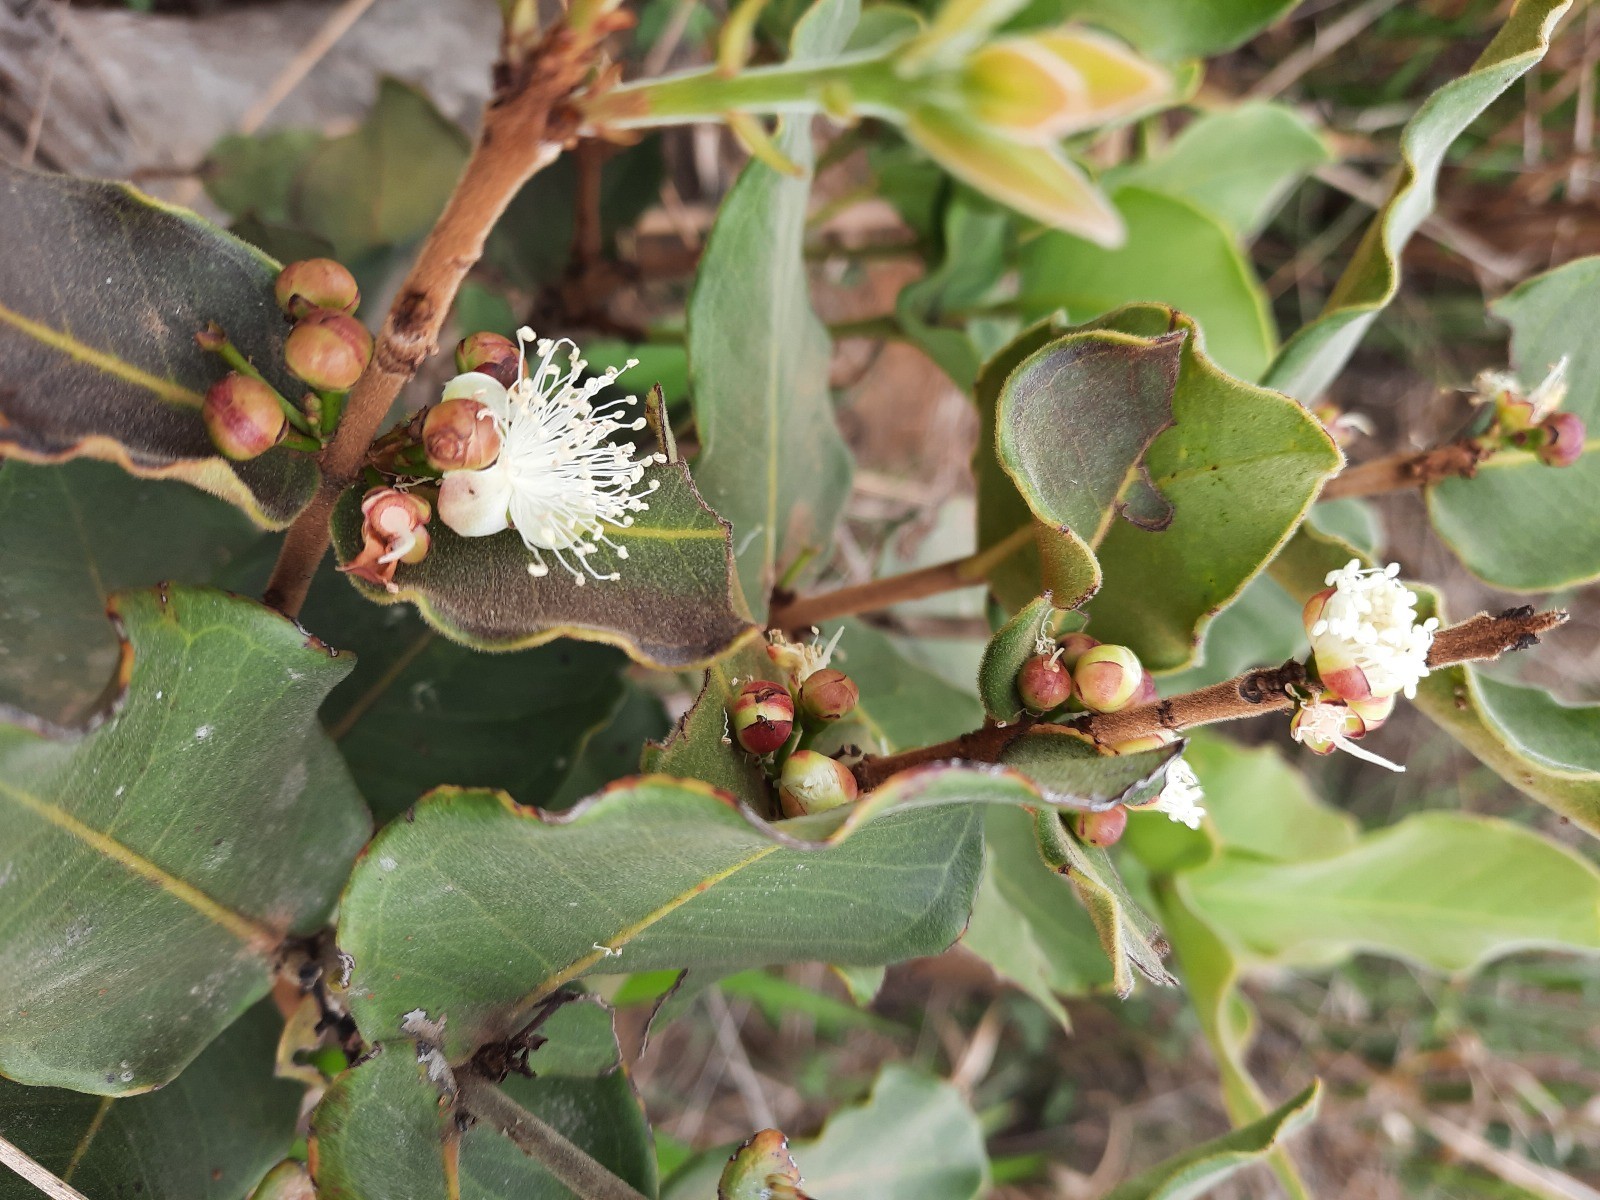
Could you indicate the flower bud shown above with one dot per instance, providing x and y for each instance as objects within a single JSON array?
[
  {"x": 1150, "y": 741},
  {"x": 1107, "y": 677},
  {"x": 828, "y": 694},
  {"x": 1372, "y": 711},
  {"x": 328, "y": 350},
  {"x": 1072, "y": 646},
  {"x": 762, "y": 716},
  {"x": 489, "y": 354},
  {"x": 1101, "y": 828},
  {"x": 813, "y": 782},
  {"x": 460, "y": 435},
  {"x": 243, "y": 417},
  {"x": 1147, "y": 693},
  {"x": 1321, "y": 727},
  {"x": 393, "y": 531},
  {"x": 1044, "y": 684},
  {"x": 314, "y": 283},
  {"x": 1564, "y": 435}
]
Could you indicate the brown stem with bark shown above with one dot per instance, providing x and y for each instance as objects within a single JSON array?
[
  {"x": 523, "y": 129},
  {"x": 1401, "y": 472},
  {"x": 1265, "y": 690}
]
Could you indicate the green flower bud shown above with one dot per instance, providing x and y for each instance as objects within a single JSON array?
[
  {"x": 489, "y": 354},
  {"x": 243, "y": 417},
  {"x": 761, "y": 716},
  {"x": 328, "y": 350},
  {"x": 1044, "y": 684},
  {"x": 303, "y": 287},
  {"x": 827, "y": 695},
  {"x": 460, "y": 435},
  {"x": 813, "y": 782},
  {"x": 1101, "y": 828},
  {"x": 1107, "y": 678}
]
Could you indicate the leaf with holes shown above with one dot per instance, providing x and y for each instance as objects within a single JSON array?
[
  {"x": 155, "y": 862},
  {"x": 102, "y": 290}
]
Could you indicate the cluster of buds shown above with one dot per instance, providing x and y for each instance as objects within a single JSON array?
[
  {"x": 1077, "y": 673},
  {"x": 1367, "y": 649},
  {"x": 778, "y": 721},
  {"x": 327, "y": 348},
  {"x": 1533, "y": 420}
]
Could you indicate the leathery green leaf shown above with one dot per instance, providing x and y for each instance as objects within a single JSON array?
[
  {"x": 156, "y": 861},
  {"x": 1310, "y": 360},
  {"x": 1013, "y": 645},
  {"x": 1517, "y": 523},
  {"x": 676, "y": 603},
  {"x": 102, "y": 290},
  {"x": 771, "y": 461}
]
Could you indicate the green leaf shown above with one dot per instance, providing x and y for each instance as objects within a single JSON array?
[
  {"x": 1238, "y": 164},
  {"x": 902, "y": 705},
  {"x": 675, "y": 605},
  {"x": 1241, "y": 467},
  {"x": 1314, "y": 356},
  {"x": 1196, "y": 1171},
  {"x": 761, "y": 1169},
  {"x": 1262, "y": 626},
  {"x": 1070, "y": 771},
  {"x": 1445, "y": 890},
  {"x": 1012, "y": 646},
  {"x": 156, "y": 862},
  {"x": 701, "y": 747},
  {"x": 772, "y": 461},
  {"x": 70, "y": 535},
  {"x": 101, "y": 293},
  {"x": 1517, "y": 523},
  {"x": 1261, "y": 805},
  {"x": 1175, "y": 254},
  {"x": 975, "y": 242},
  {"x": 1174, "y": 29},
  {"x": 613, "y": 750},
  {"x": 254, "y": 176},
  {"x": 211, "y": 1134}
]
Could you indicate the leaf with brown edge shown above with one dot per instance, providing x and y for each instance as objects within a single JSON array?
[
  {"x": 102, "y": 290},
  {"x": 155, "y": 862},
  {"x": 677, "y": 603}
]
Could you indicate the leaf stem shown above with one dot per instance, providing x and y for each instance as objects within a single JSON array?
[
  {"x": 1264, "y": 690},
  {"x": 231, "y": 354},
  {"x": 524, "y": 126},
  {"x": 570, "y": 1165},
  {"x": 1413, "y": 469}
]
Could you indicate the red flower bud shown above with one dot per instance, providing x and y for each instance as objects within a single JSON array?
[
  {"x": 828, "y": 695},
  {"x": 393, "y": 531},
  {"x": 314, "y": 283},
  {"x": 1044, "y": 684},
  {"x": 813, "y": 782},
  {"x": 489, "y": 354},
  {"x": 460, "y": 435},
  {"x": 762, "y": 716},
  {"x": 1564, "y": 434},
  {"x": 243, "y": 417},
  {"x": 328, "y": 350},
  {"x": 1107, "y": 677},
  {"x": 1072, "y": 646},
  {"x": 1101, "y": 828}
]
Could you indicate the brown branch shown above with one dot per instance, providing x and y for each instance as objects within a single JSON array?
[
  {"x": 1269, "y": 689},
  {"x": 523, "y": 129},
  {"x": 1401, "y": 472}
]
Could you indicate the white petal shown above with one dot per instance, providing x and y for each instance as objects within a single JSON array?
[
  {"x": 476, "y": 503},
  {"x": 490, "y": 393}
]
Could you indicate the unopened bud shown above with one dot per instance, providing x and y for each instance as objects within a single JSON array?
[
  {"x": 460, "y": 435},
  {"x": 1044, "y": 684},
  {"x": 1072, "y": 646},
  {"x": 1101, "y": 828},
  {"x": 393, "y": 531},
  {"x": 828, "y": 694},
  {"x": 243, "y": 417},
  {"x": 1147, "y": 693},
  {"x": 489, "y": 354},
  {"x": 1564, "y": 434},
  {"x": 813, "y": 782},
  {"x": 762, "y": 716},
  {"x": 1107, "y": 677},
  {"x": 328, "y": 350},
  {"x": 1150, "y": 741},
  {"x": 314, "y": 283}
]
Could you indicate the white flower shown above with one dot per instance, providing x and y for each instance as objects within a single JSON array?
[
  {"x": 1181, "y": 795},
  {"x": 1365, "y": 635},
  {"x": 801, "y": 660},
  {"x": 1323, "y": 728},
  {"x": 1494, "y": 387},
  {"x": 558, "y": 481}
]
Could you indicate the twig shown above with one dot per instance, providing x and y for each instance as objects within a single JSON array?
[
  {"x": 1324, "y": 42},
  {"x": 1264, "y": 690},
  {"x": 523, "y": 130},
  {"x": 297, "y": 68},
  {"x": 1399, "y": 472},
  {"x": 36, "y": 123},
  {"x": 35, "y": 1174},
  {"x": 570, "y": 1165}
]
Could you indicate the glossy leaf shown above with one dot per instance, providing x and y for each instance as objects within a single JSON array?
[
  {"x": 1176, "y": 254},
  {"x": 70, "y": 535},
  {"x": 1176, "y": 29},
  {"x": 101, "y": 293},
  {"x": 1311, "y": 359},
  {"x": 210, "y": 1135},
  {"x": 675, "y": 605},
  {"x": 1196, "y": 1171},
  {"x": 772, "y": 461},
  {"x": 155, "y": 862},
  {"x": 1517, "y": 523}
]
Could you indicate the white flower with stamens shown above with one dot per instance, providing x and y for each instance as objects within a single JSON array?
[
  {"x": 1365, "y": 635},
  {"x": 1181, "y": 794},
  {"x": 801, "y": 660},
  {"x": 1323, "y": 728},
  {"x": 559, "y": 481},
  {"x": 1502, "y": 388}
]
